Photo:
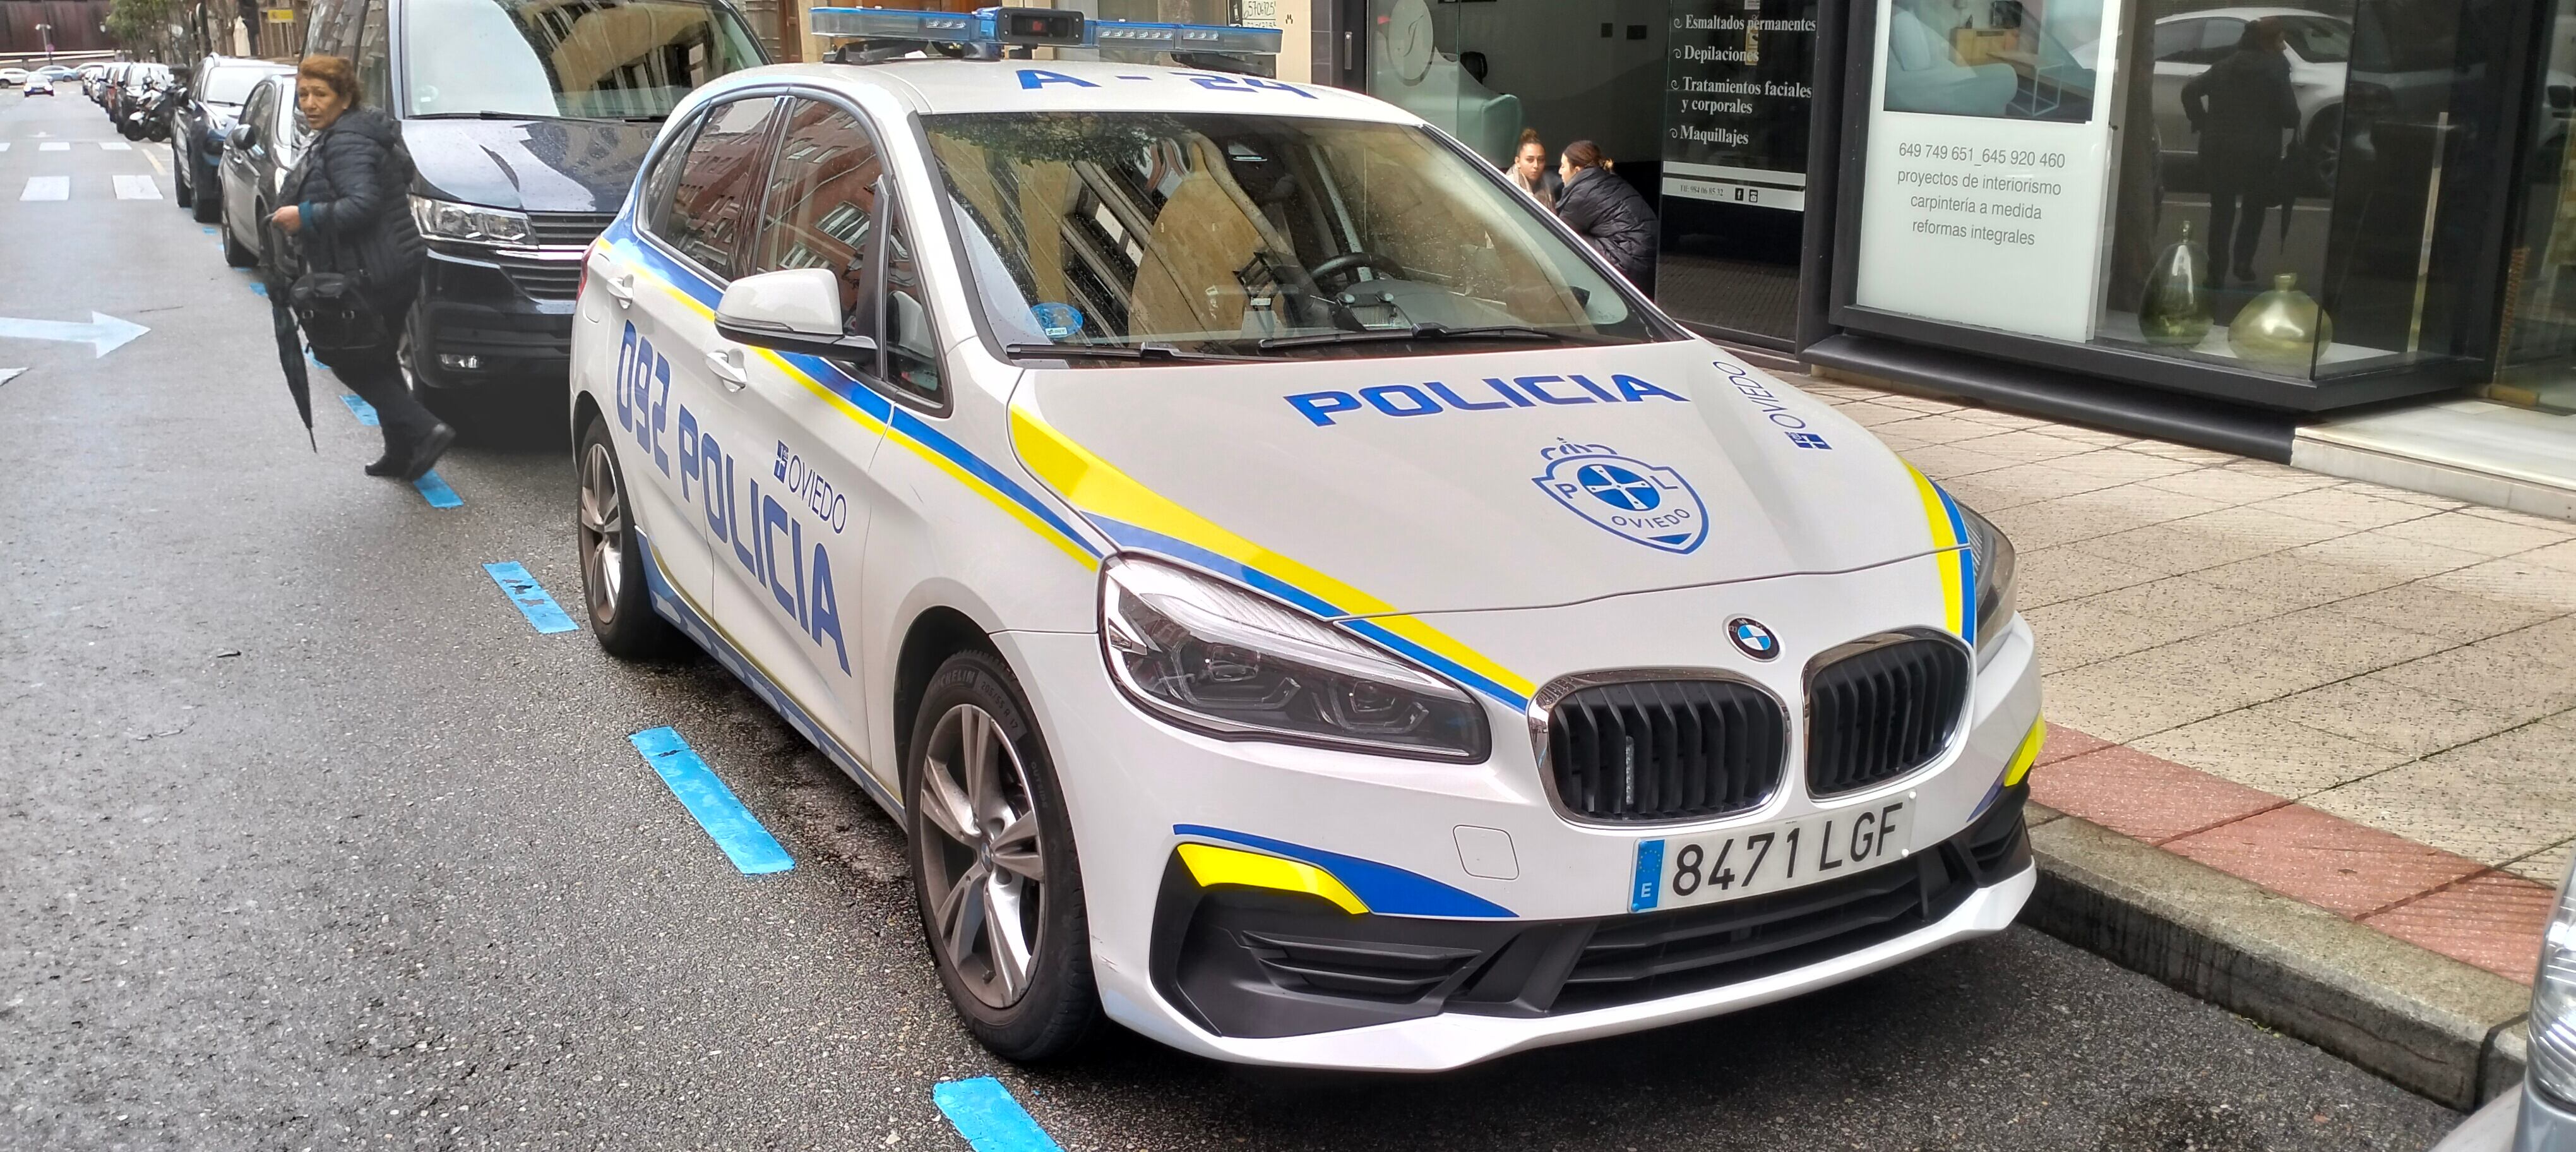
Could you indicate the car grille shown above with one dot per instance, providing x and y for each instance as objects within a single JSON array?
[
  {"x": 1882, "y": 712},
  {"x": 1665, "y": 749},
  {"x": 576, "y": 229},
  {"x": 542, "y": 279}
]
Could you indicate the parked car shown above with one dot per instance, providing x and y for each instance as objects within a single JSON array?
[
  {"x": 95, "y": 80},
  {"x": 12, "y": 77},
  {"x": 216, "y": 92},
  {"x": 40, "y": 86},
  {"x": 56, "y": 73},
  {"x": 264, "y": 141},
  {"x": 2539, "y": 1114},
  {"x": 140, "y": 81},
  {"x": 527, "y": 120},
  {"x": 2320, "y": 53}
]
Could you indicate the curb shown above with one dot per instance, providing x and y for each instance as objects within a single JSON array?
[{"x": 2438, "y": 1027}]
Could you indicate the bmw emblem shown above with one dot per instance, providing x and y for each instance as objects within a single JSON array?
[{"x": 1752, "y": 639}]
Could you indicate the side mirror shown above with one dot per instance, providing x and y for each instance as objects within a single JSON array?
[
  {"x": 243, "y": 136},
  {"x": 793, "y": 310}
]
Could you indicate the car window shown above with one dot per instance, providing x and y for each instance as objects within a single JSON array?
[
  {"x": 2318, "y": 39},
  {"x": 715, "y": 198},
  {"x": 375, "y": 68},
  {"x": 610, "y": 59},
  {"x": 2218, "y": 38},
  {"x": 653, "y": 203},
  {"x": 255, "y": 110},
  {"x": 229, "y": 83},
  {"x": 822, "y": 197},
  {"x": 912, "y": 351},
  {"x": 2176, "y": 40}
]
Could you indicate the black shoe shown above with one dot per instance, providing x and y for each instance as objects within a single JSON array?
[
  {"x": 389, "y": 464},
  {"x": 425, "y": 454},
  {"x": 2245, "y": 273}
]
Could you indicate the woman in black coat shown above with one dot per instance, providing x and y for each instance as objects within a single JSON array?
[
  {"x": 1608, "y": 212},
  {"x": 2241, "y": 107},
  {"x": 351, "y": 213}
]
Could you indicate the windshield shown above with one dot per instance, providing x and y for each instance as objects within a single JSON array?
[
  {"x": 230, "y": 85},
  {"x": 1217, "y": 232},
  {"x": 596, "y": 59}
]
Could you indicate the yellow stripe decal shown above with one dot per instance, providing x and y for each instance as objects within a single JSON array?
[
  {"x": 2027, "y": 754},
  {"x": 1945, "y": 536},
  {"x": 1211, "y": 865}
]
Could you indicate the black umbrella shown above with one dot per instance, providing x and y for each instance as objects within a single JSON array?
[{"x": 290, "y": 344}]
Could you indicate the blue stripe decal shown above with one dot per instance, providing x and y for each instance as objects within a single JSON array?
[
  {"x": 437, "y": 492},
  {"x": 1967, "y": 567},
  {"x": 727, "y": 822},
  {"x": 1128, "y": 535},
  {"x": 524, "y": 591},
  {"x": 989, "y": 1118},
  {"x": 365, "y": 412},
  {"x": 901, "y": 421},
  {"x": 1650, "y": 876},
  {"x": 1385, "y": 888}
]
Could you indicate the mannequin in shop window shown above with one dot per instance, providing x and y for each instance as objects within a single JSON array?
[{"x": 2241, "y": 107}]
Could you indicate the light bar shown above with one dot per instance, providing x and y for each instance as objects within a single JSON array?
[{"x": 1022, "y": 27}]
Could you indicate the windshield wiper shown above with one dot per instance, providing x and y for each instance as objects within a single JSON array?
[
  {"x": 1432, "y": 331},
  {"x": 1160, "y": 352}
]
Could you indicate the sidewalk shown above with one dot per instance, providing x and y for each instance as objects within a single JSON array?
[{"x": 2360, "y": 698}]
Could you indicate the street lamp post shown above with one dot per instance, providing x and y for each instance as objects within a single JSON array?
[{"x": 47, "y": 32}]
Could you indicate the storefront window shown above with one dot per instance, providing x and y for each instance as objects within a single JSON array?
[
  {"x": 1737, "y": 108},
  {"x": 2537, "y": 346}
]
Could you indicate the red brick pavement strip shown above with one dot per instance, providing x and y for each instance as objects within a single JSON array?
[{"x": 2447, "y": 903}]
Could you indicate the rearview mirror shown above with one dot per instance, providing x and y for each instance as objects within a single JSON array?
[
  {"x": 793, "y": 310},
  {"x": 243, "y": 136}
]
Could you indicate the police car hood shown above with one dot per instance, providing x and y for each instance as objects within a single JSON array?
[{"x": 1458, "y": 483}]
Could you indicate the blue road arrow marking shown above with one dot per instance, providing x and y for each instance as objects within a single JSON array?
[
  {"x": 989, "y": 1118},
  {"x": 365, "y": 412},
  {"x": 727, "y": 822},
  {"x": 103, "y": 333},
  {"x": 524, "y": 591},
  {"x": 437, "y": 492}
]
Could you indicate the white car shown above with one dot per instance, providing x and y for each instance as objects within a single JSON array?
[
  {"x": 2318, "y": 48},
  {"x": 40, "y": 86},
  {"x": 12, "y": 77},
  {"x": 1300, "y": 602}
]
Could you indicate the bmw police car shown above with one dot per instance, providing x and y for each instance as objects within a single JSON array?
[{"x": 1300, "y": 602}]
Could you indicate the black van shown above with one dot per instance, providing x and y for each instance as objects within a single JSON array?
[{"x": 527, "y": 120}]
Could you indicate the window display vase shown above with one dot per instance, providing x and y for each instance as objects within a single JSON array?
[
  {"x": 2175, "y": 308},
  {"x": 2282, "y": 328}
]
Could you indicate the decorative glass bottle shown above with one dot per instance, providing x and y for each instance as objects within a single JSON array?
[
  {"x": 2175, "y": 309},
  {"x": 2281, "y": 329}
]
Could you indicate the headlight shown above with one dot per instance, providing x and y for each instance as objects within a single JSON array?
[
  {"x": 1222, "y": 660},
  {"x": 2552, "y": 1057},
  {"x": 446, "y": 220},
  {"x": 1994, "y": 556}
]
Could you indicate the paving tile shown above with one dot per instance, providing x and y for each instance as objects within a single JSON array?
[
  {"x": 2002, "y": 419},
  {"x": 2325, "y": 639},
  {"x": 1983, "y": 493},
  {"x": 2260, "y": 748},
  {"x": 2227, "y": 486},
  {"x": 2560, "y": 556},
  {"x": 2065, "y": 742},
  {"x": 2023, "y": 446},
  {"x": 2344, "y": 507},
  {"x": 2207, "y": 540},
  {"x": 2102, "y": 439},
  {"x": 2552, "y": 643},
  {"x": 2408, "y": 559},
  {"x": 2048, "y": 481},
  {"x": 2142, "y": 796},
  {"x": 1919, "y": 403},
  {"x": 2491, "y": 804},
  {"x": 2183, "y": 452},
  {"x": 2493, "y": 677},
  {"x": 2325, "y": 860},
  {"x": 2402, "y": 496},
  {"x": 2547, "y": 866},
  {"x": 2402, "y": 719},
  {"x": 1873, "y": 415},
  {"x": 2428, "y": 607},
  {"x": 2103, "y": 512},
  {"x": 2310, "y": 581},
  {"x": 2142, "y": 616},
  {"x": 2525, "y": 519},
  {"x": 2052, "y": 575},
  {"x": 2516, "y": 580},
  {"x": 1945, "y": 461},
  {"x": 2477, "y": 534},
  {"x": 2128, "y": 697},
  {"x": 2122, "y": 465},
  {"x": 2492, "y": 920}
]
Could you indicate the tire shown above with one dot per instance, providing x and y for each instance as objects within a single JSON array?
[
  {"x": 612, "y": 561},
  {"x": 183, "y": 190},
  {"x": 211, "y": 202},
  {"x": 2324, "y": 151},
  {"x": 989, "y": 835},
  {"x": 235, "y": 254}
]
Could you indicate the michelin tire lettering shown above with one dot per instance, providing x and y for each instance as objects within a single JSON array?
[{"x": 1433, "y": 397}]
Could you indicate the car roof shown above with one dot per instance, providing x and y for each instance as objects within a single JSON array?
[{"x": 932, "y": 87}]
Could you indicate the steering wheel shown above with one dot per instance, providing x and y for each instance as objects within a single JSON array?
[{"x": 1353, "y": 261}]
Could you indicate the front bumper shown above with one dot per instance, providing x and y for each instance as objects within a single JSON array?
[
  {"x": 488, "y": 318},
  {"x": 1137, "y": 789},
  {"x": 2521, "y": 1120}
]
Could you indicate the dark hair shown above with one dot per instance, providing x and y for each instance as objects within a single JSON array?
[
  {"x": 335, "y": 72},
  {"x": 2266, "y": 34},
  {"x": 1529, "y": 136},
  {"x": 1583, "y": 154}
]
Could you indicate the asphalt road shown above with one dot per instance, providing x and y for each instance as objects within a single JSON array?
[{"x": 308, "y": 840}]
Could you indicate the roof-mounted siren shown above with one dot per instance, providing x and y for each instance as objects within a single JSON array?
[{"x": 870, "y": 35}]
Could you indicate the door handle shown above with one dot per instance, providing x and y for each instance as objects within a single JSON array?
[
  {"x": 620, "y": 285},
  {"x": 727, "y": 364}
]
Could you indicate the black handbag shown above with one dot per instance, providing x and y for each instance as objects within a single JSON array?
[{"x": 335, "y": 313}]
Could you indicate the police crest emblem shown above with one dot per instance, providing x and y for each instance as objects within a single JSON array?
[{"x": 1647, "y": 503}]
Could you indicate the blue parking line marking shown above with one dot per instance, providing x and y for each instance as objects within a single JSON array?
[
  {"x": 984, "y": 1112},
  {"x": 365, "y": 412},
  {"x": 258, "y": 289},
  {"x": 207, "y": 229},
  {"x": 728, "y": 823},
  {"x": 437, "y": 492},
  {"x": 523, "y": 590}
]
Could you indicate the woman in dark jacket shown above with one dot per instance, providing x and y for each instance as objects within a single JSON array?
[
  {"x": 2240, "y": 107},
  {"x": 351, "y": 213},
  {"x": 1609, "y": 213}
]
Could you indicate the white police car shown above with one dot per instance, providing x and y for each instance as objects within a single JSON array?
[{"x": 1302, "y": 604}]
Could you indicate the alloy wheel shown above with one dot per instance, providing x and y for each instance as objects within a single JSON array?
[
  {"x": 985, "y": 876},
  {"x": 601, "y": 520}
]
